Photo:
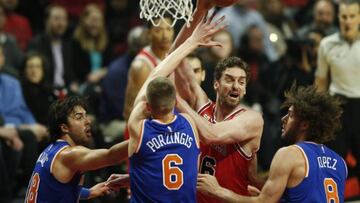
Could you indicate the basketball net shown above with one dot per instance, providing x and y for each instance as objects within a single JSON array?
[{"x": 178, "y": 9}]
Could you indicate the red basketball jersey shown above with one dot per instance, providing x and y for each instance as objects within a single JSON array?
[{"x": 229, "y": 163}]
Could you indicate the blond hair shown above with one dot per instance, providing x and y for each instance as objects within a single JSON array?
[{"x": 86, "y": 41}]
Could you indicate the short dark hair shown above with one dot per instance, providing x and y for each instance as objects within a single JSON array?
[
  {"x": 322, "y": 111},
  {"x": 231, "y": 62},
  {"x": 161, "y": 95},
  {"x": 198, "y": 56},
  {"x": 50, "y": 8},
  {"x": 44, "y": 63},
  {"x": 59, "y": 111}
]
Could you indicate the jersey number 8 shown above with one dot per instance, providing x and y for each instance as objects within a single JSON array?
[
  {"x": 172, "y": 175},
  {"x": 331, "y": 191},
  {"x": 33, "y": 189}
]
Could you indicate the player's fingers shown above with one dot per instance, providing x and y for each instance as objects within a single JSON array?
[
  {"x": 210, "y": 19},
  {"x": 218, "y": 21},
  {"x": 219, "y": 28}
]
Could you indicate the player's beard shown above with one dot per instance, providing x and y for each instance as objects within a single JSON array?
[
  {"x": 229, "y": 102},
  {"x": 290, "y": 136},
  {"x": 82, "y": 140}
]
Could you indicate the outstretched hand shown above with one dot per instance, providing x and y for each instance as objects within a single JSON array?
[
  {"x": 117, "y": 181},
  {"x": 204, "y": 31},
  {"x": 98, "y": 190}
]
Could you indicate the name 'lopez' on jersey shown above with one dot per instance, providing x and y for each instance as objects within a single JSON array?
[{"x": 169, "y": 138}]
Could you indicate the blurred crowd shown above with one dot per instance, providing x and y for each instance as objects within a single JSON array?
[{"x": 54, "y": 48}]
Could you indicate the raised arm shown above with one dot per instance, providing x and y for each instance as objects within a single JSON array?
[
  {"x": 280, "y": 171},
  {"x": 138, "y": 73},
  {"x": 135, "y": 123},
  {"x": 246, "y": 127},
  {"x": 187, "y": 86}
]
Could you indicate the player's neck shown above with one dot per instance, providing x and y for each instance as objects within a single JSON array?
[
  {"x": 160, "y": 53},
  {"x": 167, "y": 118},
  {"x": 68, "y": 139},
  {"x": 222, "y": 111}
]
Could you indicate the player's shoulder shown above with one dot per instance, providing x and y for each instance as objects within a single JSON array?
[
  {"x": 71, "y": 152},
  {"x": 290, "y": 152},
  {"x": 139, "y": 65}
]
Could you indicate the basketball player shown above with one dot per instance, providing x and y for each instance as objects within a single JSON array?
[
  {"x": 197, "y": 66},
  {"x": 234, "y": 161},
  {"x": 161, "y": 38},
  {"x": 164, "y": 149},
  {"x": 58, "y": 172},
  {"x": 306, "y": 171}
]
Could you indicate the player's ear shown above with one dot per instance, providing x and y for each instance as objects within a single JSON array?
[
  {"x": 203, "y": 75},
  {"x": 148, "y": 107},
  {"x": 216, "y": 84},
  {"x": 64, "y": 128}
]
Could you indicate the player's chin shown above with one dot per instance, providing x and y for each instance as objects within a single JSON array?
[
  {"x": 86, "y": 141},
  {"x": 233, "y": 101}
]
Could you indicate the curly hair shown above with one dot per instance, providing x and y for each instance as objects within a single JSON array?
[
  {"x": 322, "y": 111},
  {"x": 59, "y": 111},
  {"x": 230, "y": 63}
]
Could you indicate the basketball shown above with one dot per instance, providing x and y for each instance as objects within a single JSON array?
[{"x": 224, "y": 3}]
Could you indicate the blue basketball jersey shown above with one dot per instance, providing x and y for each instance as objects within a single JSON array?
[
  {"x": 43, "y": 187},
  {"x": 164, "y": 167},
  {"x": 325, "y": 177}
]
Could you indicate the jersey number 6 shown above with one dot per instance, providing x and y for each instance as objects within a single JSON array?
[{"x": 172, "y": 175}]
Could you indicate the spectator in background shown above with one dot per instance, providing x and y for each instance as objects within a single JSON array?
[
  {"x": 17, "y": 24},
  {"x": 274, "y": 13},
  {"x": 212, "y": 56},
  {"x": 55, "y": 48},
  {"x": 280, "y": 26},
  {"x": 338, "y": 72},
  {"x": 75, "y": 8},
  {"x": 114, "y": 84},
  {"x": 120, "y": 17},
  {"x": 92, "y": 54},
  {"x": 251, "y": 51},
  {"x": 17, "y": 122},
  {"x": 310, "y": 46},
  {"x": 10, "y": 150},
  {"x": 324, "y": 15},
  {"x": 240, "y": 17},
  {"x": 10, "y": 48},
  {"x": 91, "y": 44},
  {"x": 37, "y": 91}
]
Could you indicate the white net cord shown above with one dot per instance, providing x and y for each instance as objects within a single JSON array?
[{"x": 178, "y": 9}]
